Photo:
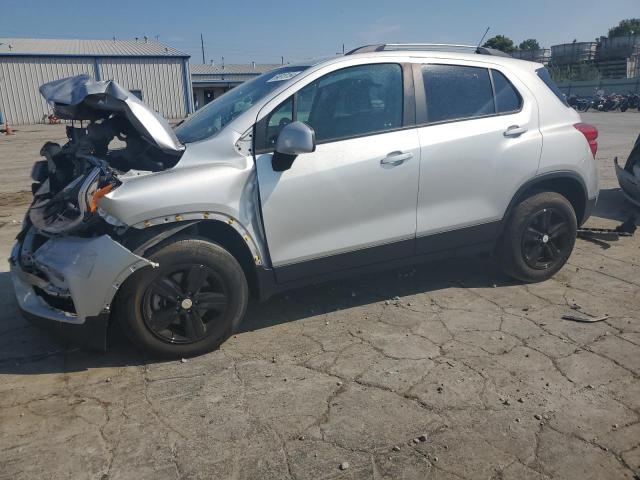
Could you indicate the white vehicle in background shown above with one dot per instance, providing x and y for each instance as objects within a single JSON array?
[{"x": 389, "y": 155}]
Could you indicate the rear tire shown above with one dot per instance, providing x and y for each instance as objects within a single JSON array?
[
  {"x": 186, "y": 306},
  {"x": 538, "y": 238}
]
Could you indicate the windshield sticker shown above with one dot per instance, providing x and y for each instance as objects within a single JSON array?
[{"x": 281, "y": 77}]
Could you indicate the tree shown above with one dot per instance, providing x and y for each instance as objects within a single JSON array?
[
  {"x": 500, "y": 42},
  {"x": 630, "y": 26},
  {"x": 529, "y": 44}
]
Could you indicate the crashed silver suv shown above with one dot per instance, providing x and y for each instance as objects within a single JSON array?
[{"x": 389, "y": 155}]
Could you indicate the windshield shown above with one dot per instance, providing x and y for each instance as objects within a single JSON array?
[{"x": 212, "y": 118}]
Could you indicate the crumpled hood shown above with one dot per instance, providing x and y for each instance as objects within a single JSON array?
[{"x": 83, "y": 98}]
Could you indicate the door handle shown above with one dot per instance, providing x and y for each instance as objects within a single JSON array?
[
  {"x": 396, "y": 158},
  {"x": 514, "y": 131}
]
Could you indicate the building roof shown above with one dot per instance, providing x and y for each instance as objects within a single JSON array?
[
  {"x": 231, "y": 68},
  {"x": 90, "y": 48}
]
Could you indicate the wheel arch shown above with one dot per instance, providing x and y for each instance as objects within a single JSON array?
[
  {"x": 224, "y": 233},
  {"x": 568, "y": 184}
]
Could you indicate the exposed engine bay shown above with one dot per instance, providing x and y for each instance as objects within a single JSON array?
[{"x": 112, "y": 133}]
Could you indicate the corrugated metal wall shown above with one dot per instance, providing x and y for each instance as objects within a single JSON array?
[
  {"x": 223, "y": 78},
  {"x": 161, "y": 81},
  {"x": 610, "y": 85},
  {"x": 20, "y": 78}
]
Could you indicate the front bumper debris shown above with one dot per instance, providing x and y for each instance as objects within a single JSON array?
[
  {"x": 629, "y": 182},
  {"x": 71, "y": 281},
  {"x": 629, "y": 175}
]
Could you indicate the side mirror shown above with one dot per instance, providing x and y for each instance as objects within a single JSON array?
[{"x": 294, "y": 139}]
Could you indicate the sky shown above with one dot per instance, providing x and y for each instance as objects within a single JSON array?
[{"x": 263, "y": 31}]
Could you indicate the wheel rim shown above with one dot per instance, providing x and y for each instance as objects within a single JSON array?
[
  {"x": 185, "y": 304},
  {"x": 546, "y": 239}
]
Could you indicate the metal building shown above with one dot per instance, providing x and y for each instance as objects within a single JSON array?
[
  {"x": 573, "y": 53},
  {"x": 158, "y": 73},
  {"x": 619, "y": 57},
  {"x": 539, "y": 55},
  {"x": 210, "y": 81}
]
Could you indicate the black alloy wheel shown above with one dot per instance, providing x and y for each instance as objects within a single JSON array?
[
  {"x": 546, "y": 239},
  {"x": 182, "y": 305},
  {"x": 188, "y": 304},
  {"x": 538, "y": 237}
]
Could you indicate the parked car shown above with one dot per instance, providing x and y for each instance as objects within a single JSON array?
[{"x": 389, "y": 155}]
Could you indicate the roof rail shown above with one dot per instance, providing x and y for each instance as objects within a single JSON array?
[{"x": 439, "y": 47}]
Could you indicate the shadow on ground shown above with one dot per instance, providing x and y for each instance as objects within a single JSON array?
[
  {"x": 613, "y": 206},
  {"x": 26, "y": 349}
]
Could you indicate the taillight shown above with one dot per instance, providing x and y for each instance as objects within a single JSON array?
[{"x": 591, "y": 134}]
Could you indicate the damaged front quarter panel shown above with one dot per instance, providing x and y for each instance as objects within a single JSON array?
[{"x": 201, "y": 187}]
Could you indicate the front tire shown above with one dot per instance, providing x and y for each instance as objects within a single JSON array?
[
  {"x": 538, "y": 238},
  {"x": 189, "y": 304}
]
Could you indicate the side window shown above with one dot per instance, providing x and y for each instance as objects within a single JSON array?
[
  {"x": 304, "y": 102},
  {"x": 456, "y": 91},
  {"x": 280, "y": 117},
  {"x": 507, "y": 97},
  {"x": 353, "y": 101}
]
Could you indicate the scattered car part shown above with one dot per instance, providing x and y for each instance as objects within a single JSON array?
[
  {"x": 625, "y": 229},
  {"x": 629, "y": 176},
  {"x": 576, "y": 318}
]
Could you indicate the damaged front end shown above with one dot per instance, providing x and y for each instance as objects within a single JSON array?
[
  {"x": 629, "y": 176},
  {"x": 69, "y": 260},
  {"x": 68, "y": 183}
]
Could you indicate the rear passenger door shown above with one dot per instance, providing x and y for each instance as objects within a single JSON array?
[{"x": 479, "y": 142}]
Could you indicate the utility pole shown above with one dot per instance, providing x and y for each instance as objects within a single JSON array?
[{"x": 202, "y": 45}]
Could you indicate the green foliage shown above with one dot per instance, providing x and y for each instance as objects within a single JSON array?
[
  {"x": 529, "y": 44},
  {"x": 500, "y": 42},
  {"x": 570, "y": 73},
  {"x": 630, "y": 26}
]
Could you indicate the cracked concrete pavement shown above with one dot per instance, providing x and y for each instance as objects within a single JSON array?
[{"x": 446, "y": 370}]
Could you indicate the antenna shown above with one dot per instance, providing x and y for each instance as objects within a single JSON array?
[
  {"x": 485, "y": 34},
  {"x": 202, "y": 46}
]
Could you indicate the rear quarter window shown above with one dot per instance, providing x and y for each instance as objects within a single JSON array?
[
  {"x": 544, "y": 75},
  {"x": 507, "y": 97}
]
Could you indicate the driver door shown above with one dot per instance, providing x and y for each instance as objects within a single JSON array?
[{"x": 351, "y": 202}]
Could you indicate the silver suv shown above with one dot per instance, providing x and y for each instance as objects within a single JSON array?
[{"x": 389, "y": 155}]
